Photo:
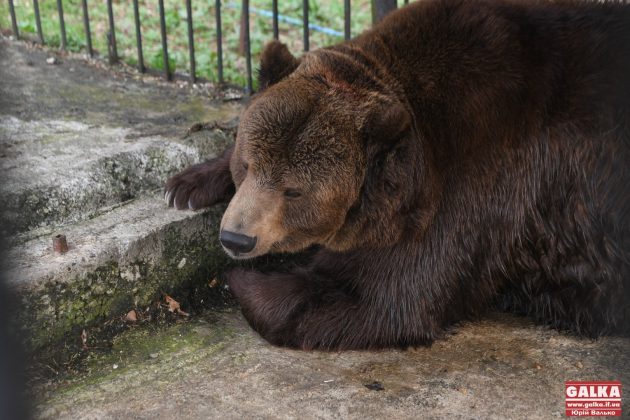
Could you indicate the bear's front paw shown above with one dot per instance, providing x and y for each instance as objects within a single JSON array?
[{"x": 200, "y": 185}]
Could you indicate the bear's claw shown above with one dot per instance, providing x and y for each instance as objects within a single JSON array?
[{"x": 201, "y": 185}]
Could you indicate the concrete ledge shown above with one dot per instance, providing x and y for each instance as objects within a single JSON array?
[
  {"x": 116, "y": 261},
  {"x": 57, "y": 172},
  {"x": 85, "y": 151}
]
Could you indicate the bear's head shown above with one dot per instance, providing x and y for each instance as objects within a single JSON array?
[{"x": 321, "y": 157}]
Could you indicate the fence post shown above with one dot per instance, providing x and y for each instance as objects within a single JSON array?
[
  {"x": 191, "y": 42},
  {"x": 136, "y": 20},
  {"x": 38, "y": 21},
  {"x": 274, "y": 8},
  {"x": 86, "y": 26},
  {"x": 346, "y": 20},
  {"x": 14, "y": 24},
  {"x": 217, "y": 15},
  {"x": 306, "y": 29},
  {"x": 248, "y": 46},
  {"x": 111, "y": 36},
  {"x": 165, "y": 61},
  {"x": 380, "y": 8},
  {"x": 62, "y": 25}
]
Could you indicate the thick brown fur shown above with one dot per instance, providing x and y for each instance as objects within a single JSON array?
[{"x": 461, "y": 154}]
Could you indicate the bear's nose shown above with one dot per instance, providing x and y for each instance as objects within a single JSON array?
[{"x": 237, "y": 243}]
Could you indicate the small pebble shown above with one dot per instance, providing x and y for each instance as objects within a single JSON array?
[
  {"x": 51, "y": 60},
  {"x": 579, "y": 365},
  {"x": 115, "y": 366},
  {"x": 153, "y": 355}
]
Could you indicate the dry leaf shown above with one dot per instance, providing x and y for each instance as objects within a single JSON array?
[
  {"x": 131, "y": 316},
  {"x": 173, "y": 306},
  {"x": 213, "y": 283}
]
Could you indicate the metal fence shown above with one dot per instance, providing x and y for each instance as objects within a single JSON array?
[{"x": 112, "y": 47}]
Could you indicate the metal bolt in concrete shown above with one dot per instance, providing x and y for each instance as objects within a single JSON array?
[{"x": 60, "y": 244}]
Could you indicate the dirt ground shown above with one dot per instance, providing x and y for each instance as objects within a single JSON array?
[{"x": 215, "y": 366}]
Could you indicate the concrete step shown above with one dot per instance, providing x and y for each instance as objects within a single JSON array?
[
  {"x": 122, "y": 258},
  {"x": 85, "y": 151},
  {"x": 58, "y": 171}
]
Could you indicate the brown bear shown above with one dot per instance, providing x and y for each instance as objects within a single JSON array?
[{"x": 460, "y": 155}]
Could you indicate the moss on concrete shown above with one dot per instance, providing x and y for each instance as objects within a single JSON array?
[
  {"x": 148, "y": 346},
  {"x": 75, "y": 91},
  {"x": 184, "y": 264}
]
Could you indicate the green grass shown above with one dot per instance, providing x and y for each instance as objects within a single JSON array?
[{"x": 327, "y": 13}]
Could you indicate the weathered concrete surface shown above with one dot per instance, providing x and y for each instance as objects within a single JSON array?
[
  {"x": 85, "y": 151},
  {"x": 57, "y": 172},
  {"x": 124, "y": 258},
  {"x": 30, "y": 89},
  {"x": 498, "y": 368},
  {"x": 73, "y": 138}
]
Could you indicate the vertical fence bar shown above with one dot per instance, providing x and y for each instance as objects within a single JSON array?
[
  {"x": 305, "y": 24},
  {"x": 191, "y": 42},
  {"x": 38, "y": 21},
  {"x": 62, "y": 25},
  {"x": 136, "y": 20},
  {"x": 167, "y": 70},
  {"x": 217, "y": 15},
  {"x": 248, "y": 49},
  {"x": 14, "y": 24},
  {"x": 111, "y": 37},
  {"x": 274, "y": 8},
  {"x": 86, "y": 26},
  {"x": 346, "y": 20}
]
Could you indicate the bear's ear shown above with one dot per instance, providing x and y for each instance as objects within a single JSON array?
[
  {"x": 388, "y": 122},
  {"x": 276, "y": 63}
]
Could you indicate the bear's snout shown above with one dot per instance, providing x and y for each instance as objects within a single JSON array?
[
  {"x": 252, "y": 222},
  {"x": 237, "y": 243}
]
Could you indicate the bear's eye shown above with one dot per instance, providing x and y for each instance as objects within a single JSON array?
[
  {"x": 245, "y": 166},
  {"x": 292, "y": 193}
]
